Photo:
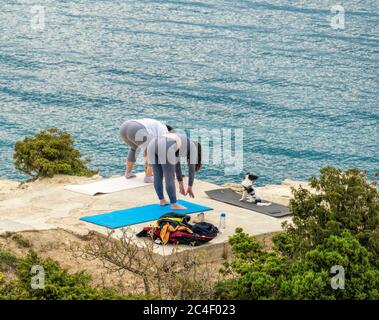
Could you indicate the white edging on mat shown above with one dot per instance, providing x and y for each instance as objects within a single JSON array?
[{"x": 108, "y": 185}]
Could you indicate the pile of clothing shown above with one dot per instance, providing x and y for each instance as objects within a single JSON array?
[{"x": 175, "y": 228}]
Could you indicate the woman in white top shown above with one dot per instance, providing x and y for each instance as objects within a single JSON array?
[{"x": 137, "y": 134}]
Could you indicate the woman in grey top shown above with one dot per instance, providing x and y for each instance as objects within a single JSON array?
[{"x": 163, "y": 154}]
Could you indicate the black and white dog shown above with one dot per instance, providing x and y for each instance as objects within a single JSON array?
[{"x": 248, "y": 184}]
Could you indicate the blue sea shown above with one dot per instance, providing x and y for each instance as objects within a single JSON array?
[{"x": 304, "y": 92}]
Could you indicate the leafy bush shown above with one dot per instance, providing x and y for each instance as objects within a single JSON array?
[
  {"x": 273, "y": 275},
  {"x": 59, "y": 283},
  {"x": 336, "y": 226},
  {"x": 7, "y": 260},
  {"x": 50, "y": 152},
  {"x": 344, "y": 201}
]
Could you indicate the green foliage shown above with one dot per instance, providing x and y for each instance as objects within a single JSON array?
[
  {"x": 7, "y": 260},
  {"x": 244, "y": 245},
  {"x": 337, "y": 226},
  {"x": 310, "y": 276},
  {"x": 272, "y": 275},
  {"x": 50, "y": 152},
  {"x": 344, "y": 201},
  {"x": 59, "y": 284}
]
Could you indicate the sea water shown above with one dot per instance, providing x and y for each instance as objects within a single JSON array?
[{"x": 301, "y": 85}]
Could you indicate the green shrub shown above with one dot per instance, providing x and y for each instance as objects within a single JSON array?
[
  {"x": 344, "y": 201},
  {"x": 59, "y": 284},
  {"x": 272, "y": 275},
  {"x": 7, "y": 260},
  {"x": 337, "y": 226},
  {"x": 50, "y": 152}
]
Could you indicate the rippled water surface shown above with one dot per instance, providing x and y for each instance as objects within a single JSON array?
[{"x": 305, "y": 94}]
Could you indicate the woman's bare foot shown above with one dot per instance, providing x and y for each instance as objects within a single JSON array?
[
  {"x": 148, "y": 179},
  {"x": 129, "y": 175},
  {"x": 163, "y": 202},
  {"x": 177, "y": 206}
]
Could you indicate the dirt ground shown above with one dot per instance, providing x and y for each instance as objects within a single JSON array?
[
  {"x": 60, "y": 245},
  {"x": 54, "y": 215}
]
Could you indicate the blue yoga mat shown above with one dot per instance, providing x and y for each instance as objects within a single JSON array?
[{"x": 127, "y": 217}]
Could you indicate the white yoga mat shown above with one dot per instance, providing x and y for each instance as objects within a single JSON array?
[{"x": 109, "y": 185}]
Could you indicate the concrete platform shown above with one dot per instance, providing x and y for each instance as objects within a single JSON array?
[{"x": 46, "y": 205}]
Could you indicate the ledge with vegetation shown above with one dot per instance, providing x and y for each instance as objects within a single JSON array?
[{"x": 337, "y": 225}]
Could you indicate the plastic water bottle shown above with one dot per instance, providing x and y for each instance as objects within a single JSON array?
[
  {"x": 222, "y": 221},
  {"x": 200, "y": 217}
]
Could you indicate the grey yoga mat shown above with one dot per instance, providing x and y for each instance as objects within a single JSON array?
[{"x": 231, "y": 197}]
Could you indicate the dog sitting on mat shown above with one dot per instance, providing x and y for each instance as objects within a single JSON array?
[{"x": 248, "y": 184}]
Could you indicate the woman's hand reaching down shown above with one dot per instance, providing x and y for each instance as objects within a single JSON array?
[
  {"x": 181, "y": 188},
  {"x": 190, "y": 192}
]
